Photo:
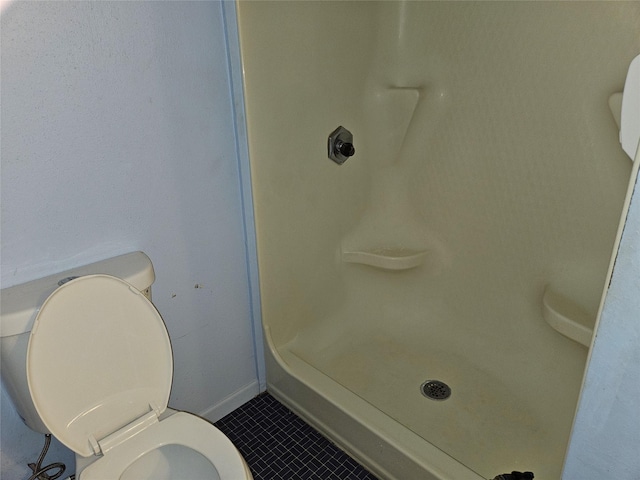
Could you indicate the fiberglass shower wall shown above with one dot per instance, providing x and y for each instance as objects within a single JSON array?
[{"x": 481, "y": 204}]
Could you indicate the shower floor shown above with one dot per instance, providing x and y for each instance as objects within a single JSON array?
[{"x": 484, "y": 424}]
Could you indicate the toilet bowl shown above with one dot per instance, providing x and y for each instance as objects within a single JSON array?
[
  {"x": 105, "y": 394},
  {"x": 180, "y": 446}
]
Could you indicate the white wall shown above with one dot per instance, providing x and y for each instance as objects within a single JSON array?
[
  {"x": 118, "y": 135},
  {"x": 606, "y": 435}
]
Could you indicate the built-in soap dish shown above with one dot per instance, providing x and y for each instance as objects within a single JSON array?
[
  {"x": 387, "y": 258},
  {"x": 567, "y": 318}
]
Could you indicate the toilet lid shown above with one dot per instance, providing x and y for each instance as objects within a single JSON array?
[{"x": 99, "y": 357}]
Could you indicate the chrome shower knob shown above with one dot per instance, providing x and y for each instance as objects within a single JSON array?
[{"x": 340, "y": 145}]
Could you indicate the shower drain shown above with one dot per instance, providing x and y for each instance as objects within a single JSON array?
[{"x": 435, "y": 390}]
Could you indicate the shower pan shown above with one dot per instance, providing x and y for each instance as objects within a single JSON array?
[{"x": 429, "y": 304}]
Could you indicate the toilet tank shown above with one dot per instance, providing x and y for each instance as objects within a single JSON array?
[{"x": 19, "y": 306}]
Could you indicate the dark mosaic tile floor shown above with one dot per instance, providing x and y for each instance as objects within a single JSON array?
[{"x": 277, "y": 444}]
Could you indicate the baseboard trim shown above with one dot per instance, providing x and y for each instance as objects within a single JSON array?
[{"x": 231, "y": 402}]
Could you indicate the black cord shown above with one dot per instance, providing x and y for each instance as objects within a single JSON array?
[{"x": 39, "y": 472}]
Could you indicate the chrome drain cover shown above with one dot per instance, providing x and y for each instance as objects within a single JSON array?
[{"x": 435, "y": 390}]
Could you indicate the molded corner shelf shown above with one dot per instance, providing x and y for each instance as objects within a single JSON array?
[
  {"x": 567, "y": 318},
  {"x": 387, "y": 258}
]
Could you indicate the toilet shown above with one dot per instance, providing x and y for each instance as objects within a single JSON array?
[{"x": 99, "y": 367}]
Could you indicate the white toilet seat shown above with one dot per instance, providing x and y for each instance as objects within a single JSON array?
[
  {"x": 181, "y": 429},
  {"x": 107, "y": 399},
  {"x": 118, "y": 368}
]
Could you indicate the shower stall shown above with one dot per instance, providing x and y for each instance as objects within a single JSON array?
[{"x": 430, "y": 303}]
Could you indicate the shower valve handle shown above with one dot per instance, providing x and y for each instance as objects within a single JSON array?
[
  {"x": 340, "y": 145},
  {"x": 345, "y": 148}
]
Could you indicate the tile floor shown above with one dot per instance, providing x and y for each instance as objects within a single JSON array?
[{"x": 278, "y": 445}]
